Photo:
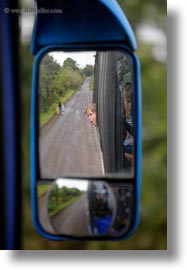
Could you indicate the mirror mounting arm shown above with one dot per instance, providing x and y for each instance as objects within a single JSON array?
[{"x": 103, "y": 21}]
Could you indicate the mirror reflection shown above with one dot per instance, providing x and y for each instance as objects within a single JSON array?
[
  {"x": 102, "y": 207},
  {"x": 83, "y": 208},
  {"x": 128, "y": 127},
  {"x": 86, "y": 114}
]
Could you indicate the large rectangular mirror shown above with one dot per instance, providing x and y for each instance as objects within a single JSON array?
[{"x": 86, "y": 114}]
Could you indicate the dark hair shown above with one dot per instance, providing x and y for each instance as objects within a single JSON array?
[{"x": 127, "y": 127}]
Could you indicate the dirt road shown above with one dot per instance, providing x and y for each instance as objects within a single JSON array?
[{"x": 69, "y": 144}]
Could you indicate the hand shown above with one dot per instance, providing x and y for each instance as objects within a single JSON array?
[{"x": 128, "y": 156}]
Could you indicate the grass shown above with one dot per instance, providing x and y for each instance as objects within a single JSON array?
[
  {"x": 45, "y": 117},
  {"x": 61, "y": 206},
  {"x": 42, "y": 189}
]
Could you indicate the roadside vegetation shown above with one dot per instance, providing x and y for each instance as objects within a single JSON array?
[
  {"x": 60, "y": 198},
  {"x": 42, "y": 189},
  {"x": 58, "y": 83}
]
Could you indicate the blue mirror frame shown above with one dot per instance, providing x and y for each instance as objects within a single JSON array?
[{"x": 54, "y": 31}]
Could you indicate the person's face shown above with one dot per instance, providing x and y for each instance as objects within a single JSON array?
[
  {"x": 92, "y": 117},
  {"x": 128, "y": 106}
]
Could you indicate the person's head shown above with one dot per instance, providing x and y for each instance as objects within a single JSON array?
[{"x": 91, "y": 113}]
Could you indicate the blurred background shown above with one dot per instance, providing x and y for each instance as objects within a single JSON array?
[{"x": 148, "y": 20}]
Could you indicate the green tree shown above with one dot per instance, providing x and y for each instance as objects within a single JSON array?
[
  {"x": 70, "y": 63},
  {"x": 49, "y": 70},
  {"x": 88, "y": 70},
  {"x": 68, "y": 79}
]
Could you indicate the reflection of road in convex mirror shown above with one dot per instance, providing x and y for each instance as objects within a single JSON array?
[
  {"x": 85, "y": 208},
  {"x": 81, "y": 208}
]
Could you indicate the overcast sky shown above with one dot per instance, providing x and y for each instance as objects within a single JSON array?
[
  {"x": 82, "y": 58},
  {"x": 80, "y": 184}
]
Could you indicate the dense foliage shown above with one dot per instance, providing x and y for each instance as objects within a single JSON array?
[
  {"x": 61, "y": 198},
  {"x": 56, "y": 80}
]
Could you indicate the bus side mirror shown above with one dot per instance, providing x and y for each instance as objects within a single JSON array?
[{"x": 85, "y": 125}]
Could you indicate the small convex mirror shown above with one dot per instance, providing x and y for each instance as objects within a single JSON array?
[
  {"x": 81, "y": 208},
  {"x": 84, "y": 208},
  {"x": 72, "y": 86}
]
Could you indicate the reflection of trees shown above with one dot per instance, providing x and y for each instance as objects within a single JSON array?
[
  {"x": 56, "y": 81},
  {"x": 88, "y": 70},
  {"x": 60, "y": 197},
  {"x": 63, "y": 194}
]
